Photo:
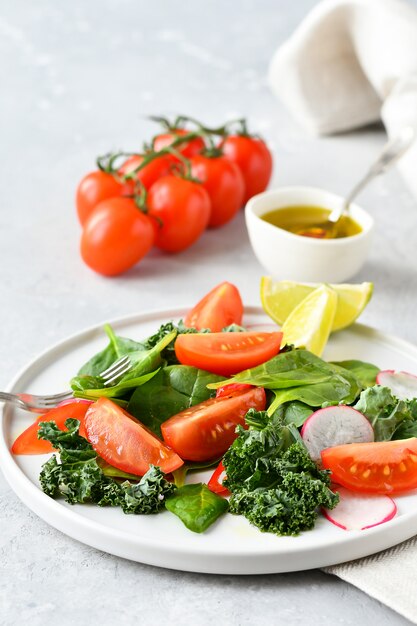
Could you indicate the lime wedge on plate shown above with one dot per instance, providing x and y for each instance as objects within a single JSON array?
[
  {"x": 310, "y": 323},
  {"x": 279, "y": 299}
]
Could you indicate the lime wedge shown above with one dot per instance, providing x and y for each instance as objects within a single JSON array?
[
  {"x": 279, "y": 299},
  {"x": 310, "y": 323}
]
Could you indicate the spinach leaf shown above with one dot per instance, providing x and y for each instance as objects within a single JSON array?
[
  {"x": 196, "y": 506},
  {"x": 144, "y": 364},
  {"x": 273, "y": 481},
  {"x": 296, "y": 413},
  {"x": 81, "y": 476},
  {"x": 173, "y": 389},
  {"x": 300, "y": 375},
  {"x": 366, "y": 373},
  {"x": 118, "y": 347},
  {"x": 83, "y": 386}
]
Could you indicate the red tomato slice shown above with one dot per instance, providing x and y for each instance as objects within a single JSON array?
[
  {"x": 124, "y": 442},
  {"x": 215, "y": 484},
  {"x": 206, "y": 430},
  {"x": 384, "y": 467},
  {"x": 28, "y": 442},
  {"x": 226, "y": 353},
  {"x": 232, "y": 388},
  {"x": 219, "y": 308}
]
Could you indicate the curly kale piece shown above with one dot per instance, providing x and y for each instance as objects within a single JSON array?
[
  {"x": 274, "y": 482},
  {"x": 78, "y": 478}
]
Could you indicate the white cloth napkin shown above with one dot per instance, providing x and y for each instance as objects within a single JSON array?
[
  {"x": 350, "y": 63},
  {"x": 388, "y": 576}
]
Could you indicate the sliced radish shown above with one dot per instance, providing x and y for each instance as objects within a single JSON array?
[
  {"x": 335, "y": 426},
  {"x": 357, "y": 511},
  {"x": 402, "y": 384}
]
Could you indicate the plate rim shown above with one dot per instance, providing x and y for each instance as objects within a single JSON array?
[{"x": 62, "y": 517}]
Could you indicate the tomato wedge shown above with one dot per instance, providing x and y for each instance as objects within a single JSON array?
[
  {"x": 221, "y": 307},
  {"x": 386, "y": 467},
  {"x": 226, "y": 353},
  {"x": 28, "y": 442},
  {"x": 232, "y": 388},
  {"x": 124, "y": 442},
  {"x": 206, "y": 430},
  {"x": 215, "y": 484}
]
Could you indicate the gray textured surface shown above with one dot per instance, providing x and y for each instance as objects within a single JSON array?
[{"x": 77, "y": 79}]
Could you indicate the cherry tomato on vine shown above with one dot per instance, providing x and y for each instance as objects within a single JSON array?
[
  {"x": 182, "y": 208},
  {"x": 155, "y": 169},
  {"x": 188, "y": 149},
  {"x": 224, "y": 183},
  {"x": 254, "y": 160},
  {"x": 93, "y": 189},
  {"x": 116, "y": 236},
  {"x": 219, "y": 308}
]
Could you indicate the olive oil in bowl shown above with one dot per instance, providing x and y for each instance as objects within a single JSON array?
[{"x": 309, "y": 221}]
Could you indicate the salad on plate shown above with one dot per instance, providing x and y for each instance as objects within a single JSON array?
[{"x": 288, "y": 436}]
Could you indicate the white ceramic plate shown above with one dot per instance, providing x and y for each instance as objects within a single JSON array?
[{"x": 231, "y": 546}]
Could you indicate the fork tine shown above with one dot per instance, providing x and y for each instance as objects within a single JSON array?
[
  {"x": 57, "y": 397},
  {"x": 114, "y": 366},
  {"x": 110, "y": 381}
]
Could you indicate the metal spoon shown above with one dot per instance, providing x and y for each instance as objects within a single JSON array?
[{"x": 393, "y": 150}]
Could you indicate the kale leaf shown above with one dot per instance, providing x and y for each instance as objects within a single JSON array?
[{"x": 273, "y": 481}]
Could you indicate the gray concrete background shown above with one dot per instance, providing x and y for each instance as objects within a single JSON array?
[{"x": 77, "y": 79}]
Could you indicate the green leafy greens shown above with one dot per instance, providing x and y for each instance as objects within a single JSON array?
[
  {"x": 173, "y": 389},
  {"x": 390, "y": 417},
  {"x": 196, "y": 506},
  {"x": 79, "y": 476},
  {"x": 273, "y": 481},
  {"x": 300, "y": 375}
]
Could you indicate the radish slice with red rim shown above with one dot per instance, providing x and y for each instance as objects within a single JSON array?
[
  {"x": 402, "y": 384},
  {"x": 335, "y": 426},
  {"x": 357, "y": 511}
]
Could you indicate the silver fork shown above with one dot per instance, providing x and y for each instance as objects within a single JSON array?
[{"x": 43, "y": 404}]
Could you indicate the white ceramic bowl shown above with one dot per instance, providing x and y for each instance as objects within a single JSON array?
[{"x": 293, "y": 257}]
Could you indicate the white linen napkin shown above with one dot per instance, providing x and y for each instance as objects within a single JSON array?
[{"x": 350, "y": 63}]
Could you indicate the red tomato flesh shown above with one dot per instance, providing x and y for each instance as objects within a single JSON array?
[
  {"x": 386, "y": 467},
  {"x": 227, "y": 354},
  {"x": 28, "y": 442},
  {"x": 219, "y": 308},
  {"x": 227, "y": 390},
  {"x": 124, "y": 442},
  {"x": 215, "y": 484},
  {"x": 206, "y": 430}
]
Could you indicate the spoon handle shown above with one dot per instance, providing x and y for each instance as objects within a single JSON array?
[{"x": 391, "y": 152}]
